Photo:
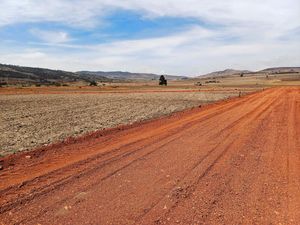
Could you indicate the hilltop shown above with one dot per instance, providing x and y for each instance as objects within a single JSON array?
[
  {"x": 21, "y": 74},
  {"x": 231, "y": 72},
  {"x": 281, "y": 70},
  {"x": 227, "y": 72}
]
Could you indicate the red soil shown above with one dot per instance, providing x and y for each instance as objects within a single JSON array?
[{"x": 234, "y": 162}]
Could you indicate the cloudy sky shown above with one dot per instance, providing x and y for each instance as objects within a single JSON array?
[{"x": 188, "y": 37}]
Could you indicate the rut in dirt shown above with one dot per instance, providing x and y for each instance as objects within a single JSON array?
[{"x": 234, "y": 162}]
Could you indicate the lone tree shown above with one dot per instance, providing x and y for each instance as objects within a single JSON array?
[
  {"x": 93, "y": 83},
  {"x": 162, "y": 80}
]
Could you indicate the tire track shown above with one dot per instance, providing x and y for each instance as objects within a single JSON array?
[
  {"x": 93, "y": 166},
  {"x": 190, "y": 183}
]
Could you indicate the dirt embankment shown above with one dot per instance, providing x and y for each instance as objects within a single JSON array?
[{"x": 234, "y": 162}]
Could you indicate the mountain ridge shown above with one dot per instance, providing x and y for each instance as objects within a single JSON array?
[
  {"x": 122, "y": 75},
  {"x": 225, "y": 72},
  {"x": 229, "y": 72},
  {"x": 25, "y": 74},
  {"x": 43, "y": 75}
]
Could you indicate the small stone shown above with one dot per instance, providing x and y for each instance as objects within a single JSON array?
[
  {"x": 157, "y": 221},
  {"x": 165, "y": 207},
  {"x": 28, "y": 157},
  {"x": 1, "y": 167}
]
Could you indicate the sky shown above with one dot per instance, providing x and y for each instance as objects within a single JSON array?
[{"x": 190, "y": 37}]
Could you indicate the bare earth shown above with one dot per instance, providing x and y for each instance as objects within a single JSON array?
[
  {"x": 234, "y": 162},
  {"x": 28, "y": 121}
]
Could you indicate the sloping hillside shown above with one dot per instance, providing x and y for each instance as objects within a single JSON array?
[
  {"x": 281, "y": 70},
  {"x": 128, "y": 76},
  {"x": 226, "y": 72},
  {"x": 230, "y": 72},
  {"x": 11, "y": 74},
  {"x": 19, "y": 74}
]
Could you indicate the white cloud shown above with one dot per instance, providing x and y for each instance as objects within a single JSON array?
[
  {"x": 263, "y": 33},
  {"x": 70, "y": 12},
  {"x": 80, "y": 12},
  {"x": 190, "y": 52},
  {"x": 51, "y": 36}
]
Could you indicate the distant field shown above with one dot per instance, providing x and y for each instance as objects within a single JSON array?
[
  {"x": 31, "y": 120},
  {"x": 257, "y": 80}
]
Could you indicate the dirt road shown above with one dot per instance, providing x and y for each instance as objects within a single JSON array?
[{"x": 234, "y": 162}]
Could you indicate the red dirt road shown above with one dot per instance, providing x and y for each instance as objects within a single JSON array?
[{"x": 234, "y": 162}]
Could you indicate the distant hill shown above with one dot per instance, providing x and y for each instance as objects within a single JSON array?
[
  {"x": 226, "y": 72},
  {"x": 230, "y": 72},
  {"x": 40, "y": 75},
  {"x": 21, "y": 74},
  {"x": 128, "y": 76},
  {"x": 281, "y": 70}
]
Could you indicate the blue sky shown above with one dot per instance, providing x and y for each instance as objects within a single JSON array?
[{"x": 189, "y": 37}]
